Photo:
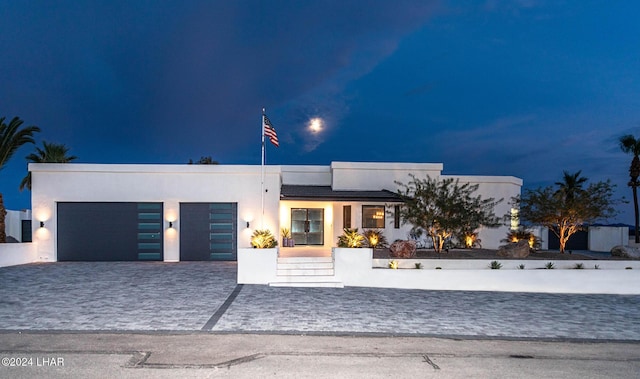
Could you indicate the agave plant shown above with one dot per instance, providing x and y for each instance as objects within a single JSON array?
[
  {"x": 523, "y": 234},
  {"x": 374, "y": 238},
  {"x": 469, "y": 240},
  {"x": 263, "y": 239},
  {"x": 286, "y": 232},
  {"x": 350, "y": 238}
]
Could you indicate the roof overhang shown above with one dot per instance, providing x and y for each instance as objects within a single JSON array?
[{"x": 325, "y": 193}]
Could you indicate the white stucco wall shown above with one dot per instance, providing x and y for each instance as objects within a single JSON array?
[
  {"x": 389, "y": 231},
  {"x": 378, "y": 176},
  {"x": 306, "y": 175},
  {"x": 169, "y": 184},
  {"x": 604, "y": 238},
  {"x": 497, "y": 187},
  {"x": 351, "y": 176},
  {"x": 13, "y": 223},
  {"x": 173, "y": 184},
  {"x": 12, "y": 254}
]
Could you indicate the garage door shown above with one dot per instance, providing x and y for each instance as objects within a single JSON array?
[
  {"x": 208, "y": 231},
  {"x": 110, "y": 232}
]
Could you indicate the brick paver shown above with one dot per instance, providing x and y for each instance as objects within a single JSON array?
[{"x": 185, "y": 296}]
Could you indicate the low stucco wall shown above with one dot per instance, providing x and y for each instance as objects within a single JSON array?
[
  {"x": 257, "y": 266},
  {"x": 355, "y": 267},
  {"x": 12, "y": 254},
  {"x": 507, "y": 264},
  {"x": 550, "y": 281},
  {"x": 604, "y": 238},
  {"x": 13, "y": 223}
]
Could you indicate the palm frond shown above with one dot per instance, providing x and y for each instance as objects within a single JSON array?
[{"x": 12, "y": 137}]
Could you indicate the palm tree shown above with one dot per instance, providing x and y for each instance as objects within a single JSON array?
[
  {"x": 12, "y": 136},
  {"x": 50, "y": 153},
  {"x": 571, "y": 186},
  {"x": 629, "y": 144}
]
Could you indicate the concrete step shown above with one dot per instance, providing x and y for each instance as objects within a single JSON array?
[
  {"x": 306, "y": 260},
  {"x": 307, "y": 284},
  {"x": 306, "y": 279},
  {"x": 305, "y": 272},
  {"x": 298, "y": 266}
]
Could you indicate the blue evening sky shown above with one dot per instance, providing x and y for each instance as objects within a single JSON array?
[{"x": 527, "y": 88}]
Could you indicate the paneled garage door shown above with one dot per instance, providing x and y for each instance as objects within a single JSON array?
[
  {"x": 208, "y": 231},
  {"x": 110, "y": 232}
]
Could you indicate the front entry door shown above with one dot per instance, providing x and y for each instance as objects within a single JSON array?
[{"x": 307, "y": 226}]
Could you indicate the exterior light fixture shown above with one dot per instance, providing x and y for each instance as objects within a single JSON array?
[
  {"x": 42, "y": 224},
  {"x": 170, "y": 224},
  {"x": 247, "y": 224}
]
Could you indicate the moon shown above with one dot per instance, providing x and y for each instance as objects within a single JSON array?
[{"x": 316, "y": 125}]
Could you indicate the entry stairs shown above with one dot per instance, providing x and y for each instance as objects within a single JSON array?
[{"x": 306, "y": 272}]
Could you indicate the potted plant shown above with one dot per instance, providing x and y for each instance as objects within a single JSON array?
[
  {"x": 263, "y": 239},
  {"x": 287, "y": 241}
]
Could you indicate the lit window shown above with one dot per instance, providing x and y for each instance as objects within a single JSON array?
[{"x": 373, "y": 216}]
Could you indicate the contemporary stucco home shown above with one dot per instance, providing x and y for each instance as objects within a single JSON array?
[{"x": 103, "y": 212}]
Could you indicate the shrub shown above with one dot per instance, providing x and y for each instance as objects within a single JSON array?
[
  {"x": 374, "y": 238},
  {"x": 578, "y": 266},
  {"x": 468, "y": 240},
  {"x": 521, "y": 267},
  {"x": 350, "y": 238},
  {"x": 393, "y": 265},
  {"x": 522, "y": 234},
  {"x": 495, "y": 265},
  {"x": 549, "y": 266},
  {"x": 419, "y": 266},
  {"x": 263, "y": 239}
]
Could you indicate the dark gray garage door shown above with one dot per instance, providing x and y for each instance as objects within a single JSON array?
[
  {"x": 208, "y": 231},
  {"x": 110, "y": 232}
]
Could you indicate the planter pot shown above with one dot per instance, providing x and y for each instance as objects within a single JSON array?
[{"x": 287, "y": 242}]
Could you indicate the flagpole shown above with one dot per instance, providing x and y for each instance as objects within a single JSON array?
[{"x": 262, "y": 173}]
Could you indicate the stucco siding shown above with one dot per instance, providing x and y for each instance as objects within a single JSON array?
[
  {"x": 353, "y": 176},
  {"x": 170, "y": 184}
]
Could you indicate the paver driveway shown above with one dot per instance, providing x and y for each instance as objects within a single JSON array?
[{"x": 197, "y": 296}]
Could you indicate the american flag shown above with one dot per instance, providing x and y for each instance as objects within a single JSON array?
[{"x": 270, "y": 131}]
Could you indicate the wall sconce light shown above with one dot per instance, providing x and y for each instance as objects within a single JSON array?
[
  {"x": 170, "y": 224},
  {"x": 247, "y": 224},
  {"x": 42, "y": 224}
]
